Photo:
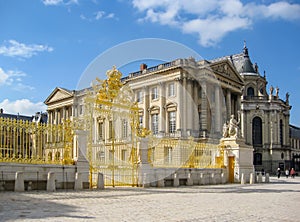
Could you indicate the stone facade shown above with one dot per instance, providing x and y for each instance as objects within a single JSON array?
[{"x": 185, "y": 98}]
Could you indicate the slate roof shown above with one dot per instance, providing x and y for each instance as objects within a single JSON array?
[
  {"x": 17, "y": 117},
  {"x": 241, "y": 62},
  {"x": 38, "y": 117}
]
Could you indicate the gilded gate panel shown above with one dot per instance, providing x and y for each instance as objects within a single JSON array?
[
  {"x": 36, "y": 143},
  {"x": 112, "y": 121}
]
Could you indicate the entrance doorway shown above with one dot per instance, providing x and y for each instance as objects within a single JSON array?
[{"x": 231, "y": 160}]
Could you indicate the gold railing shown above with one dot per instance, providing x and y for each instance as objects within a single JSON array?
[
  {"x": 35, "y": 143},
  {"x": 180, "y": 153}
]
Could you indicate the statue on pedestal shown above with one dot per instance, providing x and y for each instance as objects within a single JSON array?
[{"x": 231, "y": 129}]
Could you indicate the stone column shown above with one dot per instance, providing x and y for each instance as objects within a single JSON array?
[
  {"x": 243, "y": 124},
  {"x": 195, "y": 108},
  {"x": 55, "y": 116},
  {"x": 49, "y": 117},
  {"x": 203, "y": 108},
  {"x": 146, "y": 103},
  {"x": 64, "y": 113},
  {"x": 228, "y": 103},
  {"x": 189, "y": 106},
  {"x": 179, "y": 98},
  {"x": 184, "y": 106},
  {"x": 217, "y": 109},
  {"x": 162, "y": 122}
]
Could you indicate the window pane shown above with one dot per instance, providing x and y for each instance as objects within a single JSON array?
[
  {"x": 257, "y": 131},
  {"x": 155, "y": 123},
  {"x": 171, "y": 89},
  {"x": 250, "y": 91},
  {"x": 125, "y": 128},
  {"x": 172, "y": 122},
  {"x": 154, "y": 93}
]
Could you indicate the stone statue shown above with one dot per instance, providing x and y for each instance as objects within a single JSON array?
[
  {"x": 271, "y": 90},
  {"x": 231, "y": 129},
  {"x": 287, "y": 96},
  {"x": 277, "y": 91},
  {"x": 225, "y": 130}
]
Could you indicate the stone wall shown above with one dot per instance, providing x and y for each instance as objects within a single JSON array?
[
  {"x": 35, "y": 176},
  {"x": 160, "y": 177}
]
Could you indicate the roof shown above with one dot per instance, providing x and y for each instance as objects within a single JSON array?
[
  {"x": 294, "y": 132},
  {"x": 241, "y": 62},
  {"x": 17, "y": 117},
  {"x": 38, "y": 117},
  {"x": 65, "y": 93}
]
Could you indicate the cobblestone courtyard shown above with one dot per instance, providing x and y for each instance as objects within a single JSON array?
[{"x": 276, "y": 201}]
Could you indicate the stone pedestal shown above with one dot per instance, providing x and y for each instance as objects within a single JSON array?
[
  {"x": 145, "y": 171},
  {"x": 19, "y": 182},
  {"x": 80, "y": 155},
  {"x": 78, "y": 181},
  {"x": 100, "y": 182},
  {"x": 243, "y": 158},
  {"x": 51, "y": 182}
]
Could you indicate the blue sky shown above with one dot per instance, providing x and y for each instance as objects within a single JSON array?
[{"x": 49, "y": 43}]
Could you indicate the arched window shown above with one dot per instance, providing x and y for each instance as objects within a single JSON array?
[
  {"x": 281, "y": 132},
  {"x": 257, "y": 131},
  {"x": 250, "y": 91}
]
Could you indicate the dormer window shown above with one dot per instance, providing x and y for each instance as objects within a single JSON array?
[{"x": 250, "y": 91}]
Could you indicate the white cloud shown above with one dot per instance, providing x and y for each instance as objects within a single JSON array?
[
  {"x": 212, "y": 30},
  {"x": 22, "y": 106},
  {"x": 16, "y": 49},
  {"x": 283, "y": 10},
  {"x": 110, "y": 15},
  {"x": 52, "y": 2},
  {"x": 59, "y": 2},
  {"x": 13, "y": 79},
  {"x": 98, "y": 15},
  {"x": 211, "y": 20},
  {"x": 8, "y": 77}
]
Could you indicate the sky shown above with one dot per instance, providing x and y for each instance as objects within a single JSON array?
[{"x": 46, "y": 44}]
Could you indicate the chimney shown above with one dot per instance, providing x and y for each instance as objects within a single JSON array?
[{"x": 143, "y": 66}]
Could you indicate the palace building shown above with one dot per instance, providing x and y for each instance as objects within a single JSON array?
[{"x": 185, "y": 98}]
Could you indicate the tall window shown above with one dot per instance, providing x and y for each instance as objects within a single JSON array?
[
  {"x": 171, "y": 89},
  {"x": 154, "y": 119},
  {"x": 100, "y": 131},
  {"x": 139, "y": 96},
  {"x": 250, "y": 91},
  {"x": 257, "y": 132},
  {"x": 154, "y": 94},
  {"x": 111, "y": 155},
  {"x": 168, "y": 154},
  {"x": 101, "y": 156},
  {"x": 281, "y": 132},
  {"x": 172, "y": 122},
  {"x": 124, "y": 128},
  {"x": 123, "y": 155},
  {"x": 141, "y": 121},
  {"x": 110, "y": 128}
]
